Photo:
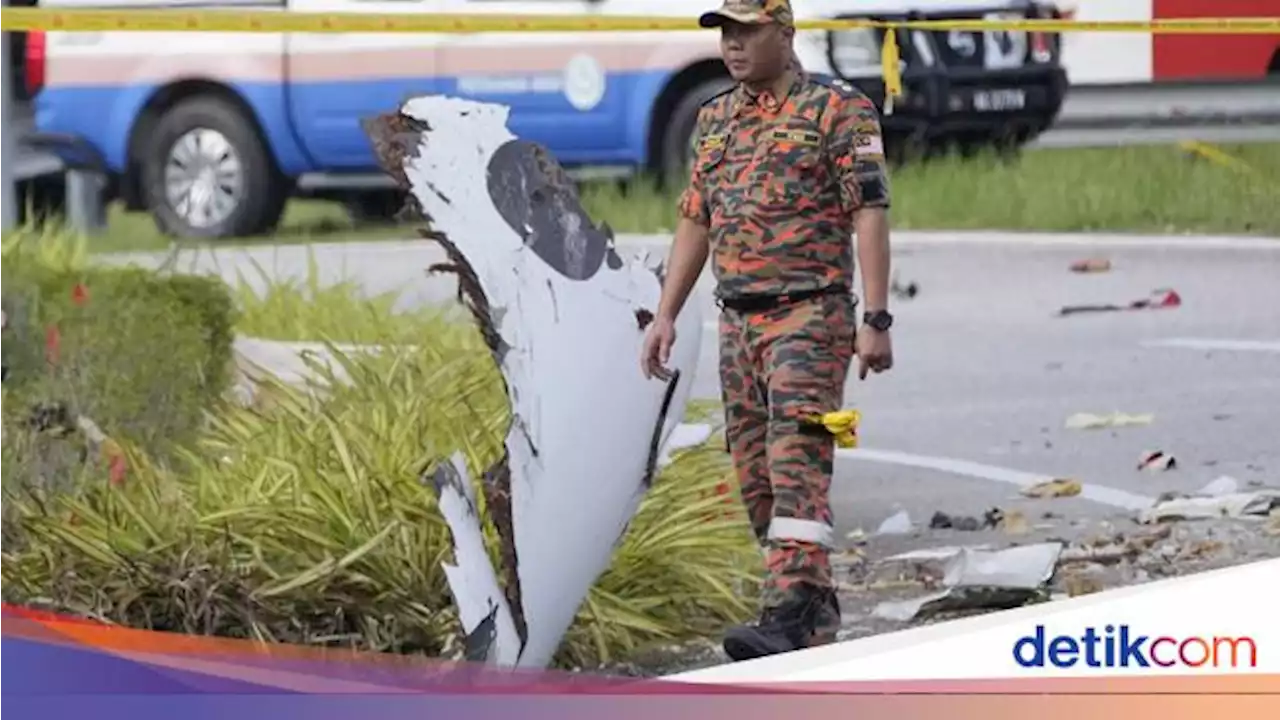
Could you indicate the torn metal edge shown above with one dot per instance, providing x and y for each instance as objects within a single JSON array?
[{"x": 396, "y": 139}]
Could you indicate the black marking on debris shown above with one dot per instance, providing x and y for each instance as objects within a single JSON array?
[
  {"x": 660, "y": 272},
  {"x": 524, "y": 432},
  {"x": 643, "y": 318},
  {"x": 479, "y": 642},
  {"x": 439, "y": 193},
  {"x": 655, "y": 442},
  {"x": 540, "y": 203},
  {"x": 397, "y": 138},
  {"x": 555, "y": 306},
  {"x": 613, "y": 260}
]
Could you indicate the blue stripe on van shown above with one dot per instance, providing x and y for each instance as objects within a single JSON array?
[{"x": 329, "y": 137}]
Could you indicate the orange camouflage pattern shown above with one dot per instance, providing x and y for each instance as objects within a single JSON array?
[
  {"x": 777, "y": 182},
  {"x": 779, "y": 368}
]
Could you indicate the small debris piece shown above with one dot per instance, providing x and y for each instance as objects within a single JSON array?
[
  {"x": 896, "y": 524},
  {"x": 1058, "y": 487},
  {"x": 1014, "y": 523},
  {"x": 1156, "y": 461},
  {"x": 1091, "y": 421},
  {"x": 904, "y": 292},
  {"x": 1079, "y": 583},
  {"x": 1233, "y": 505},
  {"x": 1219, "y": 486},
  {"x": 965, "y": 523},
  {"x": 978, "y": 579},
  {"x": 1162, "y": 299},
  {"x": 1091, "y": 265}
]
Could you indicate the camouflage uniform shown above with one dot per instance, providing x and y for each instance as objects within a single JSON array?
[{"x": 777, "y": 182}]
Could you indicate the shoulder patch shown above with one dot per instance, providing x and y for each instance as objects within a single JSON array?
[{"x": 843, "y": 88}]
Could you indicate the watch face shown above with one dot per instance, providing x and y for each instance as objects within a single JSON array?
[{"x": 879, "y": 320}]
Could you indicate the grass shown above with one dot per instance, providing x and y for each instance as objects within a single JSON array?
[
  {"x": 303, "y": 518},
  {"x": 1160, "y": 189}
]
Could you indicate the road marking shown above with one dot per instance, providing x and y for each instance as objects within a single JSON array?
[
  {"x": 980, "y": 237},
  {"x": 1097, "y": 493},
  {"x": 1272, "y": 346}
]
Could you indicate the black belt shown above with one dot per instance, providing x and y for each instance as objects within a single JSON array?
[{"x": 762, "y": 303}]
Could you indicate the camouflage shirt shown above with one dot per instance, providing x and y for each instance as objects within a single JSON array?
[{"x": 777, "y": 184}]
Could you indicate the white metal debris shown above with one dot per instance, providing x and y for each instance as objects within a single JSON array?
[
  {"x": 974, "y": 578},
  {"x": 1205, "y": 507},
  {"x": 564, "y": 315}
]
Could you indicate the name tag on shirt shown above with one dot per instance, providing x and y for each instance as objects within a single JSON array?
[{"x": 802, "y": 137}]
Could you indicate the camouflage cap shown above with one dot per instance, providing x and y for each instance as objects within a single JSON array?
[{"x": 750, "y": 12}]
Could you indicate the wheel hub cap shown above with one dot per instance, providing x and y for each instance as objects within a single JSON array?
[{"x": 203, "y": 178}]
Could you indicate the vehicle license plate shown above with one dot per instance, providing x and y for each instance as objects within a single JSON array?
[{"x": 999, "y": 100}]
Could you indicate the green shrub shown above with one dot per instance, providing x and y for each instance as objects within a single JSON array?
[
  {"x": 305, "y": 520},
  {"x": 310, "y": 310},
  {"x": 141, "y": 354}
]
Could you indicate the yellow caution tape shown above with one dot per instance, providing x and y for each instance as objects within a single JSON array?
[
  {"x": 173, "y": 20},
  {"x": 226, "y": 21},
  {"x": 843, "y": 424}
]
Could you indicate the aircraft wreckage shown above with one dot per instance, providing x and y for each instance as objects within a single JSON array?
[{"x": 564, "y": 315}]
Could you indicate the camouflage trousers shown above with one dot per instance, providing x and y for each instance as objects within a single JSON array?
[{"x": 778, "y": 368}]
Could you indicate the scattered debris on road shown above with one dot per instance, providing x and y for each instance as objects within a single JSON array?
[
  {"x": 1091, "y": 421},
  {"x": 1055, "y": 488},
  {"x": 1091, "y": 265},
  {"x": 1157, "y": 461},
  {"x": 904, "y": 292},
  {"x": 1198, "y": 507},
  {"x": 1012, "y": 522},
  {"x": 976, "y": 578},
  {"x": 897, "y": 524},
  {"x": 966, "y": 523},
  {"x": 1162, "y": 299},
  {"x": 1221, "y": 485}
]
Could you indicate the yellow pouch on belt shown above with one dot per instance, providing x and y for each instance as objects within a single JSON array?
[{"x": 843, "y": 424}]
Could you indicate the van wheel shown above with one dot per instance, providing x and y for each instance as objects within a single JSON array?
[
  {"x": 207, "y": 174},
  {"x": 676, "y": 150}
]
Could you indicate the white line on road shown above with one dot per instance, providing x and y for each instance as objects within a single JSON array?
[
  {"x": 1272, "y": 346},
  {"x": 1096, "y": 493}
]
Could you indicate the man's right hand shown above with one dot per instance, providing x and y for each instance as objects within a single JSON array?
[{"x": 656, "y": 353}]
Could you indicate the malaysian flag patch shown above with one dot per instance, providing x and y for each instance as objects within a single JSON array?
[{"x": 868, "y": 145}]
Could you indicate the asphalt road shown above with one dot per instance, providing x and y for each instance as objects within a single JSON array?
[{"x": 985, "y": 373}]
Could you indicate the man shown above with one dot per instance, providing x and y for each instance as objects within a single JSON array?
[{"x": 787, "y": 168}]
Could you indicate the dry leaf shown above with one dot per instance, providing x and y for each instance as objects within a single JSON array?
[
  {"x": 1014, "y": 523},
  {"x": 1091, "y": 421},
  {"x": 1077, "y": 584},
  {"x": 1058, "y": 487}
]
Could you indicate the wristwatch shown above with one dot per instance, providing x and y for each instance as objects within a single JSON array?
[{"x": 879, "y": 320}]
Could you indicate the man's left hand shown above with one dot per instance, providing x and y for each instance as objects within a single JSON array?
[{"x": 875, "y": 351}]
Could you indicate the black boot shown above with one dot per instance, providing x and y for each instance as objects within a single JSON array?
[{"x": 787, "y": 627}]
